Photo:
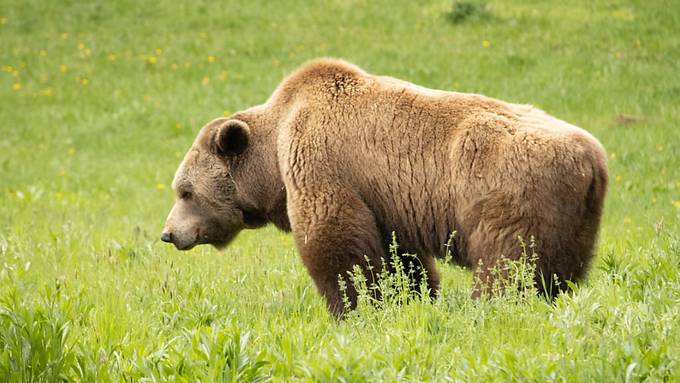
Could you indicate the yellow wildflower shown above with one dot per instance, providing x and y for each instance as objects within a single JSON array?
[
  {"x": 178, "y": 126},
  {"x": 152, "y": 60},
  {"x": 627, "y": 220},
  {"x": 227, "y": 113},
  {"x": 618, "y": 178},
  {"x": 486, "y": 44},
  {"x": 211, "y": 58},
  {"x": 677, "y": 203},
  {"x": 81, "y": 46},
  {"x": 16, "y": 87},
  {"x": 173, "y": 66},
  {"x": 63, "y": 68},
  {"x": 159, "y": 51},
  {"x": 624, "y": 14},
  {"x": 160, "y": 186},
  {"x": 85, "y": 82},
  {"x": 71, "y": 151},
  {"x": 223, "y": 75},
  {"x": 58, "y": 195},
  {"x": 677, "y": 184},
  {"x": 11, "y": 70},
  {"x": 612, "y": 155},
  {"x": 653, "y": 199},
  {"x": 205, "y": 80},
  {"x": 112, "y": 57}
]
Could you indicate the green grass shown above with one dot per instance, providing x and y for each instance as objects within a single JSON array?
[{"x": 99, "y": 100}]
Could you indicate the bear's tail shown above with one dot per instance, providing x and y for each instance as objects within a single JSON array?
[{"x": 598, "y": 188}]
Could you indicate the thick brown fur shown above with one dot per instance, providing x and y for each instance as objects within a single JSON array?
[{"x": 347, "y": 158}]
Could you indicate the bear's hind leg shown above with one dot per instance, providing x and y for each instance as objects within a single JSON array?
[{"x": 499, "y": 227}]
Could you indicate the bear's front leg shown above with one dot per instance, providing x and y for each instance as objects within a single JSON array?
[{"x": 334, "y": 231}]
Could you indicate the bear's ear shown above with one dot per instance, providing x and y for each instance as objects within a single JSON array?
[{"x": 232, "y": 138}]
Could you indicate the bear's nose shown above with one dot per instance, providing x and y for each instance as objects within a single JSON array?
[{"x": 166, "y": 236}]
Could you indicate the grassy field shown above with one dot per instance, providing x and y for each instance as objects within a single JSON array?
[{"x": 99, "y": 100}]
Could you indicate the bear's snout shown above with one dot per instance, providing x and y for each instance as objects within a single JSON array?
[
  {"x": 167, "y": 236},
  {"x": 178, "y": 240}
]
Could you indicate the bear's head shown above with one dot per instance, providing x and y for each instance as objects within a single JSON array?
[{"x": 212, "y": 198}]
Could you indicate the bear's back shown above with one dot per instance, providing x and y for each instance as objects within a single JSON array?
[{"x": 422, "y": 158}]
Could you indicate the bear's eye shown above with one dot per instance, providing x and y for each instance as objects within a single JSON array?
[{"x": 185, "y": 195}]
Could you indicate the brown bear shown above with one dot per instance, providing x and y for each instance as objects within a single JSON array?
[{"x": 345, "y": 158}]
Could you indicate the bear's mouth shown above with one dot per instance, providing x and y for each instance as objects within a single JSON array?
[
  {"x": 219, "y": 241},
  {"x": 185, "y": 246}
]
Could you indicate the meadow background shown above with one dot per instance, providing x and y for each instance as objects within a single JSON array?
[{"x": 100, "y": 99}]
